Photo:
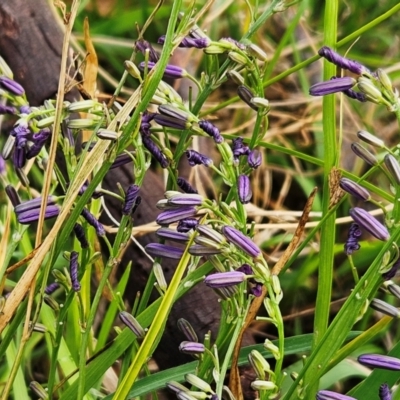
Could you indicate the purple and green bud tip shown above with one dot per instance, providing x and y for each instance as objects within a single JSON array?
[{"x": 366, "y": 221}]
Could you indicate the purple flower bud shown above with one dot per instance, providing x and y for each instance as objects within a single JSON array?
[
  {"x": 171, "y": 122},
  {"x": 200, "y": 250},
  {"x": 7, "y": 109},
  {"x": 191, "y": 347},
  {"x": 164, "y": 251},
  {"x": 223, "y": 279},
  {"x": 380, "y": 361},
  {"x": 186, "y": 186},
  {"x": 188, "y": 42},
  {"x": 244, "y": 189},
  {"x": 246, "y": 95},
  {"x": 211, "y": 130},
  {"x": 19, "y": 157},
  {"x": 353, "y": 238},
  {"x": 384, "y": 392},
  {"x": 256, "y": 290},
  {"x": 25, "y": 109},
  {"x": 238, "y": 148},
  {"x": 143, "y": 45},
  {"x": 171, "y": 71},
  {"x": 51, "y": 288},
  {"x": 171, "y": 234},
  {"x": 186, "y": 224},
  {"x": 2, "y": 165},
  {"x": 11, "y": 86},
  {"x": 332, "y": 86},
  {"x": 341, "y": 62},
  {"x": 73, "y": 271},
  {"x": 242, "y": 241},
  {"x": 195, "y": 158},
  {"x": 354, "y": 189},
  {"x": 352, "y": 94},
  {"x": 132, "y": 323},
  {"x": 369, "y": 223},
  {"x": 80, "y": 235},
  {"x": 145, "y": 123},
  {"x": 254, "y": 159},
  {"x": 364, "y": 154},
  {"x": 169, "y": 216},
  {"x": 187, "y": 329},
  {"x": 393, "y": 167},
  {"x": 155, "y": 151},
  {"x": 246, "y": 269},
  {"x": 120, "y": 160},
  {"x": 92, "y": 220},
  {"x": 385, "y": 308},
  {"x": 328, "y": 395},
  {"x": 130, "y": 199},
  {"x": 27, "y": 217},
  {"x": 39, "y": 140},
  {"x": 185, "y": 199},
  {"x": 13, "y": 195}
]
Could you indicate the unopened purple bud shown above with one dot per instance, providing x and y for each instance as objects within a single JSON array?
[
  {"x": 73, "y": 271},
  {"x": 186, "y": 186},
  {"x": 211, "y": 130},
  {"x": 200, "y": 250},
  {"x": 244, "y": 189},
  {"x": 171, "y": 71},
  {"x": 242, "y": 241},
  {"x": 364, "y": 154},
  {"x": 256, "y": 290},
  {"x": 186, "y": 199},
  {"x": 130, "y": 199},
  {"x": 164, "y": 251},
  {"x": 246, "y": 269},
  {"x": 186, "y": 224},
  {"x": 341, "y": 62},
  {"x": 196, "y": 158},
  {"x": 254, "y": 159},
  {"x": 353, "y": 238},
  {"x": 385, "y": 308},
  {"x": 238, "y": 148},
  {"x": 39, "y": 140},
  {"x": 246, "y": 95},
  {"x": 169, "y": 216},
  {"x": 369, "y": 223},
  {"x": 19, "y": 157},
  {"x": 191, "y": 347},
  {"x": 145, "y": 123},
  {"x": 132, "y": 323},
  {"x": 80, "y": 235},
  {"x": 92, "y": 220},
  {"x": 7, "y": 109},
  {"x": 352, "y": 94},
  {"x": 332, "y": 86},
  {"x": 223, "y": 279},
  {"x": 51, "y": 288},
  {"x": 328, "y": 395},
  {"x": 155, "y": 151},
  {"x": 13, "y": 195},
  {"x": 27, "y": 217},
  {"x": 171, "y": 234},
  {"x": 384, "y": 392},
  {"x": 354, "y": 189},
  {"x": 25, "y": 109},
  {"x": 187, "y": 329},
  {"x": 393, "y": 167},
  {"x": 380, "y": 361},
  {"x": 11, "y": 86},
  {"x": 171, "y": 122},
  {"x": 187, "y": 42},
  {"x": 121, "y": 160},
  {"x": 2, "y": 165},
  {"x": 143, "y": 45}
]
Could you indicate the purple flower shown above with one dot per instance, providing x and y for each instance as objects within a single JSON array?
[
  {"x": 191, "y": 347},
  {"x": 393, "y": 167},
  {"x": 354, "y": 189},
  {"x": 92, "y": 220},
  {"x": 186, "y": 224},
  {"x": 171, "y": 234},
  {"x": 341, "y": 62},
  {"x": 244, "y": 189},
  {"x": 25, "y": 109},
  {"x": 170, "y": 122},
  {"x": 364, "y": 154},
  {"x": 7, "y": 109},
  {"x": 51, "y": 288},
  {"x": 171, "y": 71},
  {"x": 353, "y": 238},
  {"x": 384, "y": 392},
  {"x": 73, "y": 271},
  {"x": 380, "y": 361},
  {"x": 130, "y": 199},
  {"x": 155, "y": 151},
  {"x": 256, "y": 290},
  {"x": 238, "y": 148},
  {"x": 369, "y": 223},
  {"x": 211, "y": 130},
  {"x": 2, "y": 165},
  {"x": 223, "y": 279},
  {"x": 164, "y": 251},
  {"x": 132, "y": 323},
  {"x": 28, "y": 211},
  {"x": 246, "y": 95},
  {"x": 328, "y": 395},
  {"x": 145, "y": 123},
  {"x": 196, "y": 158},
  {"x": 19, "y": 157},
  {"x": 80, "y": 235},
  {"x": 384, "y": 308},
  {"x": 332, "y": 86},
  {"x": 169, "y": 216},
  {"x": 188, "y": 42},
  {"x": 21, "y": 133},
  {"x": 120, "y": 160},
  {"x": 187, "y": 329},
  {"x": 242, "y": 241},
  {"x": 143, "y": 45},
  {"x": 11, "y": 86},
  {"x": 254, "y": 159},
  {"x": 201, "y": 250},
  {"x": 39, "y": 140},
  {"x": 185, "y": 199},
  {"x": 13, "y": 195},
  {"x": 186, "y": 186},
  {"x": 352, "y": 94}
]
